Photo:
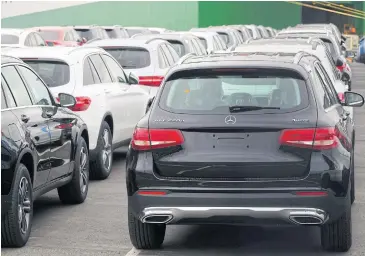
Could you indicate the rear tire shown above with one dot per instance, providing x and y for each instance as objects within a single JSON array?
[
  {"x": 101, "y": 166},
  {"x": 13, "y": 233},
  {"x": 337, "y": 236},
  {"x": 145, "y": 236},
  {"x": 75, "y": 192}
]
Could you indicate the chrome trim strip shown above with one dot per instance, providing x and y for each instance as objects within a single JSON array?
[{"x": 283, "y": 213}]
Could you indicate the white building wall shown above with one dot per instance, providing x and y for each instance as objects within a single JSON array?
[{"x": 15, "y": 8}]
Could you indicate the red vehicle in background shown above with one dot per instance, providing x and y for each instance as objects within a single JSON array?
[{"x": 65, "y": 36}]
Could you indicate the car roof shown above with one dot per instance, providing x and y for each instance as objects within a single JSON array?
[
  {"x": 6, "y": 59},
  {"x": 85, "y": 26},
  {"x": 281, "y": 41},
  {"x": 202, "y": 33},
  {"x": 12, "y": 31},
  {"x": 167, "y": 36},
  {"x": 70, "y": 55},
  {"x": 61, "y": 28},
  {"x": 272, "y": 48},
  {"x": 142, "y": 42},
  {"x": 308, "y": 35}
]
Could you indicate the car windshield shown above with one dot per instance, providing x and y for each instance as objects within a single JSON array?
[
  {"x": 131, "y": 57},
  {"x": 9, "y": 39},
  {"x": 53, "y": 73},
  {"x": 215, "y": 91},
  {"x": 87, "y": 33},
  {"x": 178, "y": 46},
  {"x": 50, "y": 35}
]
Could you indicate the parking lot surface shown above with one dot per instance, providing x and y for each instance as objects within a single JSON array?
[{"x": 99, "y": 226}]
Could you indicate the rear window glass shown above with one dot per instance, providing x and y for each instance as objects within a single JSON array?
[
  {"x": 131, "y": 57},
  {"x": 50, "y": 35},
  {"x": 53, "y": 73},
  {"x": 9, "y": 39},
  {"x": 87, "y": 33},
  {"x": 204, "y": 42},
  {"x": 178, "y": 46},
  {"x": 224, "y": 36},
  {"x": 214, "y": 91}
]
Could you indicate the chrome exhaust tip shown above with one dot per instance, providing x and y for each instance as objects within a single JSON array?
[
  {"x": 157, "y": 218},
  {"x": 308, "y": 217}
]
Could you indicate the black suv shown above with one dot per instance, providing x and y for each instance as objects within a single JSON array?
[
  {"x": 44, "y": 146},
  {"x": 254, "y": 140}
]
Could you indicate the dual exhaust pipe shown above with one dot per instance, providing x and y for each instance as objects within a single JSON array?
[{"x": 296, "y": 217}]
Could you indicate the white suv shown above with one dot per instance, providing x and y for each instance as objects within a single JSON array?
[{"x": 110, "y": 102}]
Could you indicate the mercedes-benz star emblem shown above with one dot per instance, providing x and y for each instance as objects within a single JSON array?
[{"x": 230, "y": 119}]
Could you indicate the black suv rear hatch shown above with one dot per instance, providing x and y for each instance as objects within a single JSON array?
[{"x": 234, "y": 124}]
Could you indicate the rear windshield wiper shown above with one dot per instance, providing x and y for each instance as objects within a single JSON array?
[{"x": 235, "y": 109}]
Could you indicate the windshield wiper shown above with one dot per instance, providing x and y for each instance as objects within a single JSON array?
[{"x": 235, "y": 109}]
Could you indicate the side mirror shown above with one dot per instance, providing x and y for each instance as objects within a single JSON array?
[
  {"x": 353, "y": 99},
  {"x": 66, "y": 100},
  {"x": 133, "y": 79},
  {"x": 339, "y": 62}
]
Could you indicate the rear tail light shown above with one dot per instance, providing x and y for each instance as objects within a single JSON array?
[
  {"x": 315, "y": 138},
  {"x": 311, "y": 193},
  {"x": 146, "y": 139},
  {"x": 64, "y": 126},
  {"x": 151, "y": 193},
  {"x": 82, "y": 103},
  {"x": 341, "y": 96},
  {"x": 150, "y": 80},
  {"x": 341, "y": 68}
]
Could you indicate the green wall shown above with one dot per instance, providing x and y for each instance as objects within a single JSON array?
[
  {"x": 275, "y": 14},
  {"x": 171, "y": 15}
]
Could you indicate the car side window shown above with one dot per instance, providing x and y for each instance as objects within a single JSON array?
[
  {"x": 67, "y": 37},
  {"x": 116, "y": 71},
  {"x": 28, "y": 40},
  {"x": 39, "y": 40},
  {"x": 162, "y": 58},
  {"x": 38, "y": 88},
  {"x": 18, "y": 89},
  {"x": 328, "y": 99},
  {"x": 3, "y": 102},
  {"x": 329, "y": 83},
  {"x": 88, "y": 77},
  {"x": 7, "y": 94},
  {"x": 93, "y": 70},
  {"x": 174, "y": 54},
  {"x": 101, "y": 69},
  {"x": 168, "y": 55}
]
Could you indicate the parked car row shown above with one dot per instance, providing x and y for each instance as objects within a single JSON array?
[{"x": 224, "y": 110}]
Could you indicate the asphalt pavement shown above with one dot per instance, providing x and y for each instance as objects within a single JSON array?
[{"x": 99, "y": 226}]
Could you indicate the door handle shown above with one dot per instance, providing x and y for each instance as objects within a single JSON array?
[{"x": 24, "y": 118}]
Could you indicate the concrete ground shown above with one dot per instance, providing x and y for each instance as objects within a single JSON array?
[{"x": 99, "y": 226}]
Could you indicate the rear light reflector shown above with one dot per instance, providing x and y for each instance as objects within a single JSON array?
[
  {"x": 151, "y": 193},
  {"x": 315, "y": 138},
  {"x": 341, "y": 96},
  {"x": 146, "y": 139},
  {"x": 311, "y": 193},
  {"x": 82, "y": 103},
  {"x": 150, "y": 80}
]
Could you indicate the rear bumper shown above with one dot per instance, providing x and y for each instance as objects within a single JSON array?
[{"x": 234, "y": 208}]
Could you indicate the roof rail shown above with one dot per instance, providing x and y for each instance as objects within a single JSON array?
[
  {"x": 184, "y": 58},
  {"x": 154, "y": 39}
]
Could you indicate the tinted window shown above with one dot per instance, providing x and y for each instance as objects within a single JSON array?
[
  {"x": 17, "y": 86},
  {"x": 210, "y": 91},
  {"x": 178, "y": 47},
  {"x": 329, "y": 84},
  {"x": 204, "y": 42},
  {"x": 88, "y": 76},
  {"x": 328, "y": 100},
  {"x": 53, "y": 73},
  {"x": 174, "y": 54},
  {"x": 85, "y": 33},
  {"x": 50, "y": 35},
  {"x": 131, "y": 57},
  {"x": 224, "y": 36},
  {"x": 9, "y": 97},
  {"x": 39, "y": 40},
  {"x": 9, "y": 39},
  {"x": 39, "y": 90},
  {"x": 101, "y": 68},
  {"x": 115, "y": 70},
  {"x": 75, "y": 35}
]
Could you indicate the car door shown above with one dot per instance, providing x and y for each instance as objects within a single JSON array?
[
  {"x": 132, "y": 98},
  {"x": 113, "y": 92},
  {"x": 34, "y": 122},
  {"x": 334, "y": 110},
  {"x": 59, "y": 125}
]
